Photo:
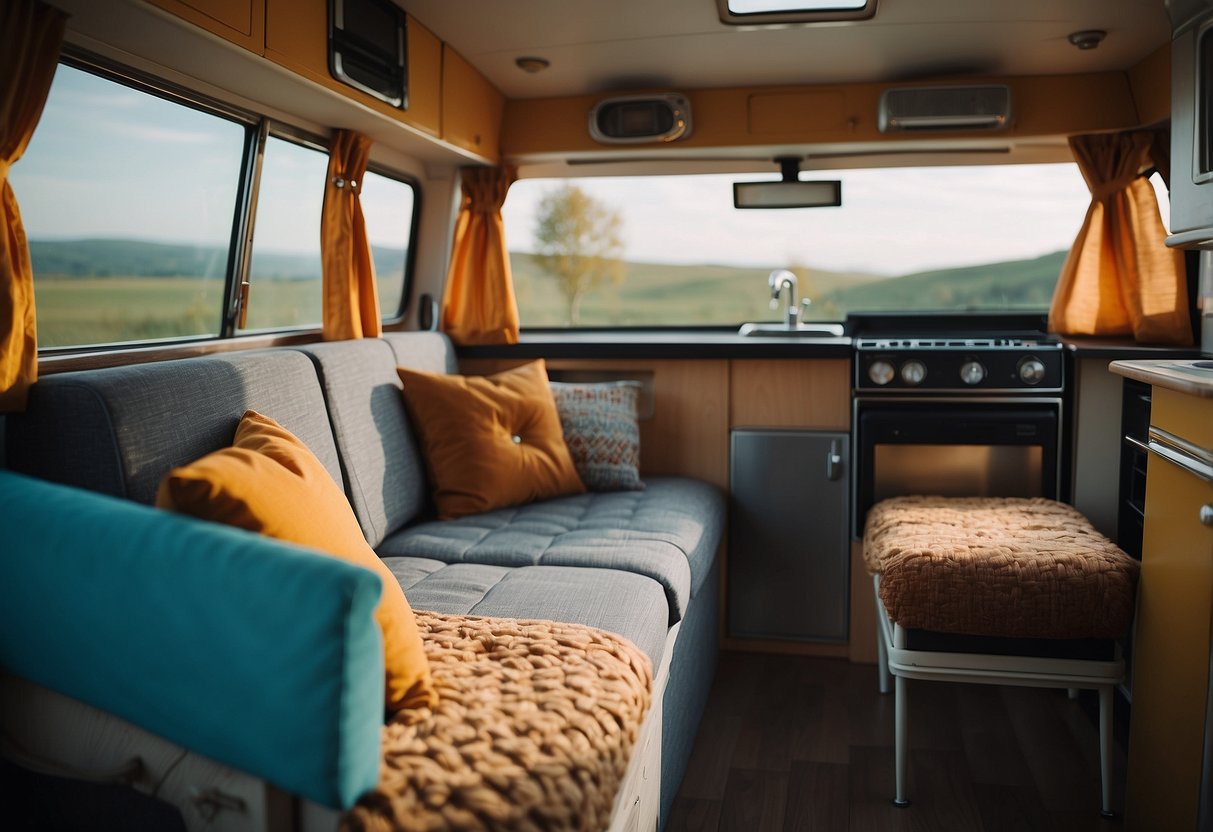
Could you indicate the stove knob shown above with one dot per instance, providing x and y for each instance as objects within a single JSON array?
[
  {"x": 913, "y": 372},
  {"x": 971, "y": 372},
  {"x": 881, "y": 372},
  {"x": 1031, "y": 370}
]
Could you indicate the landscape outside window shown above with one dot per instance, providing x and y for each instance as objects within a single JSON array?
[
  {"x": 672, "y": 250},
  {"x": 128, "y": 202}
]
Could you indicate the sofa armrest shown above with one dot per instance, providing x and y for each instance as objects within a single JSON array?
[{"x": 260, "y": 655}]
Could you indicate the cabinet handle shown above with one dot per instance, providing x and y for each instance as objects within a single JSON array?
[
  {"x": 833, "y": 462},
  {"x": 1206, "y": 514}
]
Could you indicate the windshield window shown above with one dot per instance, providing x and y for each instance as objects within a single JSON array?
[{"x": 672, "y": 250}]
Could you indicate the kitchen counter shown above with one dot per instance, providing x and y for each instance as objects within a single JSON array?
[
  {"x": 661, "y": 343},
  {"x": 1193, "y": 376},
  {"x": 1124, "y": 349}
]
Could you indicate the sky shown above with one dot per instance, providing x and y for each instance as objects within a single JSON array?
[{"x": 108, "y": 161}]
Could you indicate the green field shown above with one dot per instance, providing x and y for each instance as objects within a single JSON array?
[{"x": 85, "y": 297}]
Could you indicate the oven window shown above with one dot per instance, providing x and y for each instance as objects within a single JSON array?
[
  {"x": 958, "y": 471},
  {"x": 636, "y": 251}
]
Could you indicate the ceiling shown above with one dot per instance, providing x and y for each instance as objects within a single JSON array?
[{"x": 601, "y": 45}]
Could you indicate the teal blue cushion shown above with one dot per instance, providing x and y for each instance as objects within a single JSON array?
[{"x": 258, "y": 654}]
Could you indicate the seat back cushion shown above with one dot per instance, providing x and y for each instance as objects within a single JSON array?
[{"x": 120, "y": 430}]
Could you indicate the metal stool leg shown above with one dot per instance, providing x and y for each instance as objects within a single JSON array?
[
  {"x": 900, "y": 730},
  {"x": 882, "y": 653},
  {"x": 1105, "y": 750}
]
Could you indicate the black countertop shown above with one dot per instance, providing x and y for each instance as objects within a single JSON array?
[
  {"x": 662, "y": 343},
  {"x": 726, "y": 343}
]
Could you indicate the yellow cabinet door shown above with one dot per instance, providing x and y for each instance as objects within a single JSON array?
[{"x": 1170, "y": 652}]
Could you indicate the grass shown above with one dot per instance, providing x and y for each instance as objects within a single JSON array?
[{"x": 74, "y": 310}]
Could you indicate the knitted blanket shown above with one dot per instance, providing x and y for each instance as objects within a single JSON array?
[
  {"x": 533, "y": 730},
  {"x": 989, "y": 566}
]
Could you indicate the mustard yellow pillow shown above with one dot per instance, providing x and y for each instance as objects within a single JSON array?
[
  {"x": 270, "y": 482},
  {"x": 489, "y": 441}
]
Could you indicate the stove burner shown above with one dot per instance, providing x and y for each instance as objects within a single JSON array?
[{"x": 948, "y": 343}]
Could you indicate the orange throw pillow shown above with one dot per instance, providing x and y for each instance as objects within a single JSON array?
[
  {"x": 490, "y": 441},
  {"x": 270, "y": 482}
]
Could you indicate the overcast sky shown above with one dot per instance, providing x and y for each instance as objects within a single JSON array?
[{"x": 107, "y": 161}]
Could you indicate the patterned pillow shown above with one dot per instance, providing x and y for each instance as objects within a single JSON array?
[{"x": 599, "y": 422}]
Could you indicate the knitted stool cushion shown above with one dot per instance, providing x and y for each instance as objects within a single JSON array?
[
  {"x": 533, "y": 729},
  {"x": 993, "y": 566}
]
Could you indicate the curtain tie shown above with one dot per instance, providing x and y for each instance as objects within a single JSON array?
[
  {"x": 352, "y": 184},
  {"x": 1109, "y": 189}
]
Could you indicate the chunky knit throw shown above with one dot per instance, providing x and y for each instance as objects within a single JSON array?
[
  {"x": 533, "y": 730},
  {"x": 992, "y": 566}
]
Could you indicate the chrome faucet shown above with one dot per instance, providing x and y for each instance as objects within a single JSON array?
[{"x": 779, "y": 280}]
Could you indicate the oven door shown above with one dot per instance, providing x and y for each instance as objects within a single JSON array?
[{"x": 951, "y": 448}]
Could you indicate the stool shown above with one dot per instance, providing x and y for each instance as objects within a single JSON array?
[{"x": 997, "y": 591}]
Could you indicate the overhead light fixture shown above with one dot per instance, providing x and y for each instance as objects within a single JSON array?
[
  {"x": 789, "y": 191},
  {"x": 1088, "y": 38},
  {"x": 532, "y": 64},
  {"x": 780, "y": 12}
]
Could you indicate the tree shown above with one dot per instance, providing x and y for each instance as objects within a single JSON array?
[{"x": 578, "y": 243}]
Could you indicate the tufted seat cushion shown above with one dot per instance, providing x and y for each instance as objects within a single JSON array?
[
  {"x": 994, "y": 566},
  {"x": 667, "y": 532},
  {"x": 629, "y": 605}
]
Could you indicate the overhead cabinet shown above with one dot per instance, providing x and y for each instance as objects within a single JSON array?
[{"x": 240, "y": 21}]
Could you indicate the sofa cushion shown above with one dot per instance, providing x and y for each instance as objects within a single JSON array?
[
  {"x": 489, "y": 441},
  {"x": 621, "y": 602},
  {"x": 383, "y": 468},
  {"x": 269, "y": 482},
  {"x": 668, "y": 532},
  {"x": 119, "y": 430}
]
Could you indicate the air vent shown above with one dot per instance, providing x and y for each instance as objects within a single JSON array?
[{"x": 945, "y": 108}]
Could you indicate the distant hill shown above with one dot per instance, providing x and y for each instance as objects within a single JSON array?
[
  {"x": 141, "y": 258},
  {"x": 1016, "y": 284}
]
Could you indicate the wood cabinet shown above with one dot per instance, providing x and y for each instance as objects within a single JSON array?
[
  {"x": 472, "y": 108},
  {"x": 240, "y": 21},
  {"x": 296, "y": 37},
  {"x": 1174, "y": 613}
]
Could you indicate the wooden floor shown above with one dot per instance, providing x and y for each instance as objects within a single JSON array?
[{"x": 795, "y": 743}]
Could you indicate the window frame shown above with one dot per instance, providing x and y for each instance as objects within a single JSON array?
[{"x": 258, "y": 128}]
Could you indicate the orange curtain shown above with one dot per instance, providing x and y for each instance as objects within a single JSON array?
[
  {"x": 351, "y": 296},
  {"x": 1120, "y": 278},
  {"x": 478, "y": 305},
  {"x": 30, "y": 36}
]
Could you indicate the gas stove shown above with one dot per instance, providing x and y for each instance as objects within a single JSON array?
[{"x": 958, "y": 364}]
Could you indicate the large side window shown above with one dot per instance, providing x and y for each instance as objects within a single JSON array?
[{"x": 128, "y": 201}]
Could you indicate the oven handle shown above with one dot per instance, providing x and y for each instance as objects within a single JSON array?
[
  {"x": 834, "y": 462},
  {"x": 1191, "y": 458}
]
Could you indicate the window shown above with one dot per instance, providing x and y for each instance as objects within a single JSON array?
[
  {"x": 132, "y": 198},
  {"x": 942, "y": 239},
  {"x": 127, "y": 200},
  {"x": 284, "y": 272},
  {"x": 390, "y": 207}
]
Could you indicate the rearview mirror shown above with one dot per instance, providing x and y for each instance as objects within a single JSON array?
[{"x": 821, "y": 193}]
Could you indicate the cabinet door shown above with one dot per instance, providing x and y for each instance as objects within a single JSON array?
[
  {"x": 472, "y": 108},
  {"x": 240, "y": 21},
  {"x": 1170, "y": 652},
  {"x": 789, "y": 560}
]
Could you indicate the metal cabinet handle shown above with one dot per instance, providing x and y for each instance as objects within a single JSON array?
[
  {"x": 833, "y": 462},
  {"x": 1206, "y": 514}
]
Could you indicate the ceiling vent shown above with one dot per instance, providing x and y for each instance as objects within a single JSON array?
[{"x": 945, "y": 108}]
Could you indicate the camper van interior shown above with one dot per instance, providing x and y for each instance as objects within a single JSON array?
[{"x": 536, "y": 415}]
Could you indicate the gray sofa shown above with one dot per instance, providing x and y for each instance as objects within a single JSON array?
[{"x": 638, "y": 563}]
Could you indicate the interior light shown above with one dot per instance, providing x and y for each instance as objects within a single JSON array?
[
  {"x": 782, "y": 12},
  {"x": 765, "y": 6}
]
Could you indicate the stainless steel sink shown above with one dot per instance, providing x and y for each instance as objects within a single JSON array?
[{"x": 784, "y": 331}]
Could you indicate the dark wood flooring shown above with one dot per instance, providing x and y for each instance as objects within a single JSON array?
[{"x": 798, "y": 743}]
